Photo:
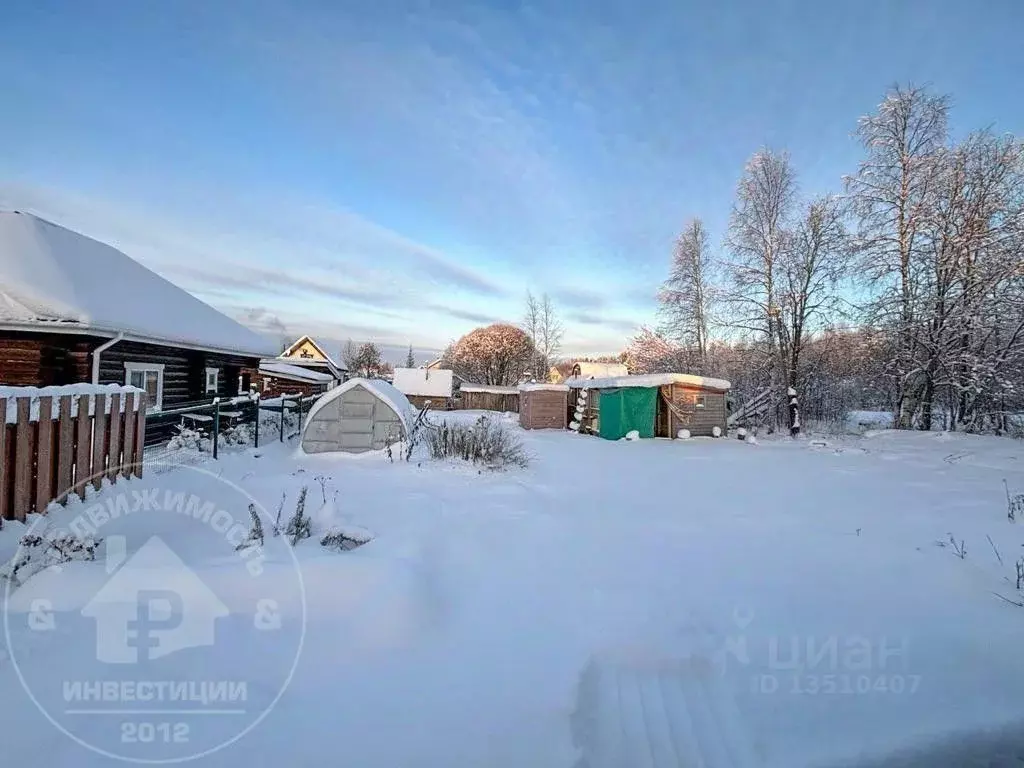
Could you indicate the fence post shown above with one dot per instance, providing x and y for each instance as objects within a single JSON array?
[
  {"x": 216, "y": 425},
  {"x": 282, "y": 418},
  {"x": 256, "y": 438}
]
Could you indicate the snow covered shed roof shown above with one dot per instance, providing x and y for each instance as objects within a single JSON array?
[
  {"x": 53, "y": 278},
  {"x": 489, "y": 389},
  {"x": 394, "y": 399},
  {"x": 586, "y": 370},
  {"x": 541, "y": 387},
  {"x": 296, "y": 372},
  {"x": 650, "y": 380},
  {"x": 430, "y": 382}
]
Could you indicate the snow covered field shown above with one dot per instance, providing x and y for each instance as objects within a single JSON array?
[{"x": 785, "y": 604}]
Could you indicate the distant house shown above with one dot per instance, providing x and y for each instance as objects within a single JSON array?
[
  {"x": 423, "y": 385},
  {"x": 74, "y": 310},
  {"x": 433, "y": 365},
  {"x": 304, "y": 368},
  {"x": 278, "y": 378},
  {"x": 305, "y": 352}
]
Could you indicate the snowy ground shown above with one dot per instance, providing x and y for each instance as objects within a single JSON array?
[{"x": 616, "y": 604}]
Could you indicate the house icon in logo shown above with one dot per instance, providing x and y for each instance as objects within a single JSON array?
[{"x": 152, "y": 606}]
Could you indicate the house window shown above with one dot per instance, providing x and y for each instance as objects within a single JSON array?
[
  {"x": 211, "y": 380},
  {"x": 150, "y": 377},
  {"x": 698, "y": 401}
]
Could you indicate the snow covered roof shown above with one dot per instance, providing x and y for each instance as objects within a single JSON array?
[
  {"x": 53, "y": 278},
  {"x": 295, "y": 372},
  {"x": 540, "y": 387},
  {"x": 492, "y": 389},
  {"x": 398, "y": 402},
  {"x": 431, "y": 382},
  {"x": 650, "y": 380},
  {"x": 601, "y": 370}
]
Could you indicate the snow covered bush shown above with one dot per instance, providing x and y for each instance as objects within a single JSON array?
[
  {"x": 345, "y": 537},
  {"x": 683, "y": 434},
  {"x": 47, "y": 548},
  {"x": 487, "y": 441},
  {"x": 239, "y": 435},
  {"x": 716, "y": 431},
  {"x": 187, "y": 438}
]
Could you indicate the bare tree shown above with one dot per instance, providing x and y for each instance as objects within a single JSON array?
[
  {"x": 541, "y": 324},
  {"x": 892, "y": 193},
  {"x": 809, "y": 270},
  {"x": 759, "y": 233},
  {"x": 685, "y": 297},
  {"x": 549, "y": 340}
]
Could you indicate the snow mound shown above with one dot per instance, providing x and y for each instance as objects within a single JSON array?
[
  {"x": 632, "y": 435},
  {"x": 683, "y": 434}
]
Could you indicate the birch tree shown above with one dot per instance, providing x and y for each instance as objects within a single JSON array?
[
  {"x": 892, "y": 194},
  {"x": 758, "y": 235},
  {"x": 685, "y": 297},
  {"x": 809, "y": 270},
  {"x": 542, "y": 325}
]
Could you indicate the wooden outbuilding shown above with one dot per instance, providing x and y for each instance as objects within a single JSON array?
[
  {"x": 654, "y": 405},
  {"x": 543, "y": 406},
  {"x": 487, "y": 397},
  {"x": 426, "y": 386}
]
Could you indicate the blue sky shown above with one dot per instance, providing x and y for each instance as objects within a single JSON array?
[{"x": 405, "y": 171}]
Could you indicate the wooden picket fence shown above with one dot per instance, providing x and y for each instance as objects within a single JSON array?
[{"x": 58, "y": 448}]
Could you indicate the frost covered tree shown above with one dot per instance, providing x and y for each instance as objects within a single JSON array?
[
  {"x": 410, "y": 359},
  {"x": 758, "y": 237},
  {"x": 652, "y": 352},
  {"x": 684, "y": 300},
  {"x": 541, "y": 324},
  {"x": 809, "y": 270},
  {"x": 892, "y": 194},
  {"x": 363, "y": 360},
  {"x": 498, "y": 354}
]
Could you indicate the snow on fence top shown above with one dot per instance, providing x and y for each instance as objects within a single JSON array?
[
  {"x": 650, "y": 380},
  {"x": 395, "y": 399},
  {"x": 540, "y": 387},
  {"x": 490, "y": 389},
  {"x": 295, "y": 372},
  {"x": 436, "y": 382},
  {"x": 77, "y": 391},
  {"x": 53, "y": 277}
]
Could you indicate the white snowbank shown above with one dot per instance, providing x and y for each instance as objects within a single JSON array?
[
  {"x": 297, "y": 372},
  {"x": 539, "y": 387},
  {"x": 53, "y": 277},
  {"x": 77, "y": 391},
  {"x": 650, "y": 380}
]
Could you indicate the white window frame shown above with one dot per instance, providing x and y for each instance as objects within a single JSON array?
[
  {"x": 158, "y": 368},
  {"x": 216, "y": 380},
  {"x": 699, "y": 401}
]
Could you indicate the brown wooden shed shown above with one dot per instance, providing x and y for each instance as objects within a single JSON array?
[{"x": 543, "y": 406}]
